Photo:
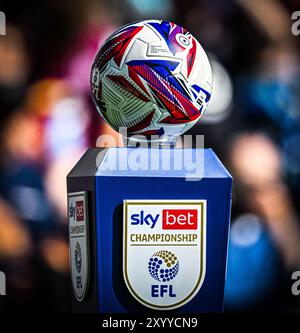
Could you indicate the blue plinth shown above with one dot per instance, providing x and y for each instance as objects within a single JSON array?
[
  {"x": 114, "y": 186},
  {"x": 148, "y": 230}
]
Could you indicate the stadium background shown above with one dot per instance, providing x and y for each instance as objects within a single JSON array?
[{"x": 47, "y": 120}]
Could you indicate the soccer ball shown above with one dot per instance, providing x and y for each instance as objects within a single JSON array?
[{"x": 151, "y": 77}]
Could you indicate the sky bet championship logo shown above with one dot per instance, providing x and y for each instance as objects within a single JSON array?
[
  {"x": 78, "y": 235},
  {"x": 164, "y": 254}
]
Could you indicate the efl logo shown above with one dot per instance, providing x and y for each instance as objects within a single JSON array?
[
  {"x": 179, "y": 219},
  {"x": 79, "y": 211}
]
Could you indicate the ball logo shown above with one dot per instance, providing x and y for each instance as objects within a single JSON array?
[
  {"x": 163, "y": 266},
  {"x": 164, "y": 254},
  {"x": 183, "y": 40}
]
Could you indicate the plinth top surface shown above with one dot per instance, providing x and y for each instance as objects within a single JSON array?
[{"x": 191, "y": 163}]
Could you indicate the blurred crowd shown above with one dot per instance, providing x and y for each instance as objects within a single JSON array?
[{"x": 47, "y": 121}]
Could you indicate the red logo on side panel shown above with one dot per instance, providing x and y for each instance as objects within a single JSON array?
[
  {"x": 180, "y": 219},
  {"x": 79, "y": 211}
]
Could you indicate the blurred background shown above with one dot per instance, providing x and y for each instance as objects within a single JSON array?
[{"x": 47, "y": 121}]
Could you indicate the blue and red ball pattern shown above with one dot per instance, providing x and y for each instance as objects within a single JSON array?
[{"x": 163, "y": 266}]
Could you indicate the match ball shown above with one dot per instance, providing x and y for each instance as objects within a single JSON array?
[{"x": 153, "y": 78}]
